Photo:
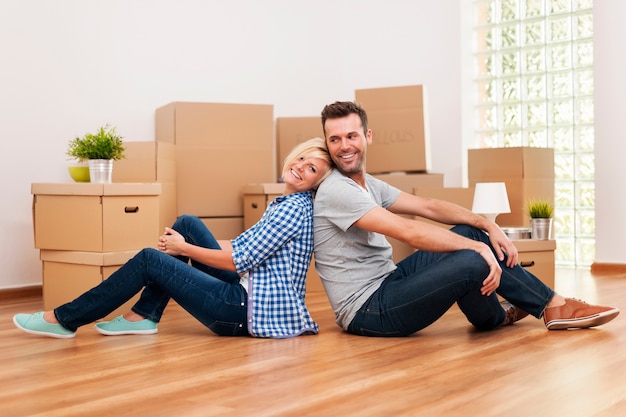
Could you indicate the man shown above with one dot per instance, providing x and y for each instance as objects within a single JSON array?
[{"x": 372, "y": 296}]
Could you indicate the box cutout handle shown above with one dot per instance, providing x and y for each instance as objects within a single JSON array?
[
  {"x": 131, "y": 209},
  {"x": 527, "y": 264}
]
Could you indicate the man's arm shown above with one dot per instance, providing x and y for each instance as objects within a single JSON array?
[
  {"x": 452, "y": 214},
  {"x": 437, "y": 210},
  {"x": 417, "y": 234},
  {"x": 425, "y": 236}
]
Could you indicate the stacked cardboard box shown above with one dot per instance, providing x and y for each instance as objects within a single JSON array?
[
  {"x": 408, "y": 181},
  {"x": 256, "y": 198},
  {"x": 461, "y": 196},
  {"x": 68, "y": 274},
  {"x": 527, "y": 172},
  {"x": 87, "y": 231},
  {"x": 291, "y": 131},
  {"x": 398, "y": 118},
  {"x": 151, "y": 162},
  {"x": 219, "y": 148}
]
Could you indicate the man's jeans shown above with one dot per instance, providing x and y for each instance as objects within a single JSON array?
[
  {"x": 426, "y": 284},
  {"x": 212, "y": 296}
]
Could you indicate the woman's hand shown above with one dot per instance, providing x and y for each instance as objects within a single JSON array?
[{"x": 171, "y": 242}]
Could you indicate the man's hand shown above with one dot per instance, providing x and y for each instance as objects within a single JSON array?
[
  {"x": 492, "y": 282},
  {"x": 500, "y": 243}
]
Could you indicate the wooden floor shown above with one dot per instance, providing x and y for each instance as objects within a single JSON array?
[{"x": 445, "y": 370}]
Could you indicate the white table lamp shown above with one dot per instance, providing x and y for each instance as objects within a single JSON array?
[{"x": 490, "y": 199}]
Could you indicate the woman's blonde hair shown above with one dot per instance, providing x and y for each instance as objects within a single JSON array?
[{"x": 312, "y": 148}]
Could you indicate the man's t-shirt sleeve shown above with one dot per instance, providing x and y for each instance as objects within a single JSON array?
[{"x": 343, "y": 202}]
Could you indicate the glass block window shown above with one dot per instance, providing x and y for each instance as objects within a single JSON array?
[{"x": 534, "y": 87}]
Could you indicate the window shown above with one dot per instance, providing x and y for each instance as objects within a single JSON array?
[{"x": 534, "y": 87}]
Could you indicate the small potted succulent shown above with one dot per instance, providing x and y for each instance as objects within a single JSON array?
[
  {"x": 99, "y": 149},
  {"x": 541, "y": 212}
]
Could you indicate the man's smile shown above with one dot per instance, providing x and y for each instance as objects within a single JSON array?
[{"x": 348, "y": 156}]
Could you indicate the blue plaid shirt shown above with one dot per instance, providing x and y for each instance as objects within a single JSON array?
[{"x": 276, "y": 254}]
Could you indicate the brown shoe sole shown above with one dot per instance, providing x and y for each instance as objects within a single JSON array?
[{"x": 583, "y": 322}]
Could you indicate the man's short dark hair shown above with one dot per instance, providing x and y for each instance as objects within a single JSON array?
[{"x": 342, "y": 109}]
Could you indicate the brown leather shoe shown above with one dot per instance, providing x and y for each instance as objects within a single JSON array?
[
  {"x": 513, "y": 313},
  {"x": 576, "y": 314}
]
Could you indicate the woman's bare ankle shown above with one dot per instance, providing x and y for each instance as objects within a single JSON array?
[
  {"x": 132, "y": 316},
  {"x": 49, "y": 317}
]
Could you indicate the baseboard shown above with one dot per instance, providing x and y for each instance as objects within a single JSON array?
[
  {"x": 608, "y": 268},
  {"x": 23, "y": 292}
]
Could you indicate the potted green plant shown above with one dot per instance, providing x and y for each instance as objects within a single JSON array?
[
  {"x": 541, "y": 212},
  {"x": 99, "y": 149}
]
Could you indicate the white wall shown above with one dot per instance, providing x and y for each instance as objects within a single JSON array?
[
  {"x": 610, "y": 113},
  {"x": 70, "y": 66}
]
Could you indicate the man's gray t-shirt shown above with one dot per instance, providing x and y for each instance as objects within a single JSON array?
[{"x": 351, "y": 262}]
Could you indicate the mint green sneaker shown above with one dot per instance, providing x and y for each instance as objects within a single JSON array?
[
  {"x": 35, "y": 324},
  {"x": 120, "y": 325}
]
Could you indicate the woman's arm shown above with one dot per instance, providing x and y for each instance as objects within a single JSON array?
[
  {"x": 173, "y": 243},
  {"x": 254, "y": 246},
  {"x": 283, "y": 222}
]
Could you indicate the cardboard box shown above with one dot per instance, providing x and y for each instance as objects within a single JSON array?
[
  {"x": 537, "y": 256},
  {"x": 167, "y": 205},
  {"x": 256, "y": 198},
  {"x": 400, "y": 250},
  {"x": 68, "y": 274},
  {"x": 291, "y": 131},
  {"x": 399, "y": 122},
  {"x": 96, "y": 217},
  {"x": 151, "y": 162},
  {"x": 210, "y": 178},
  {"x": 463, "y": 197},
  {"x": 494, "y": 164},
  {"x": 519, "y": 192},
  {"x": 527, "y": 172},
  {"x": 219, "y": 148},
  {"x": 408, "y": 181},
  {"x": 193, "y": 123},
  {"x": 224, "y": 228},
  {"x": 313, "y": 280},
  {"x": 146, "y": 162}
]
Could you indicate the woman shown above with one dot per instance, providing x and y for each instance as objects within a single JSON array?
[{"x": 253, "y": 285}]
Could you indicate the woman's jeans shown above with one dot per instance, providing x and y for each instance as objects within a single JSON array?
[
  {"x": 212, "y": 296},
  {"x": 426, "y": 284}
]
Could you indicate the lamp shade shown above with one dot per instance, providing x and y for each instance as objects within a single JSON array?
[{"x": 490, "y": 199}]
